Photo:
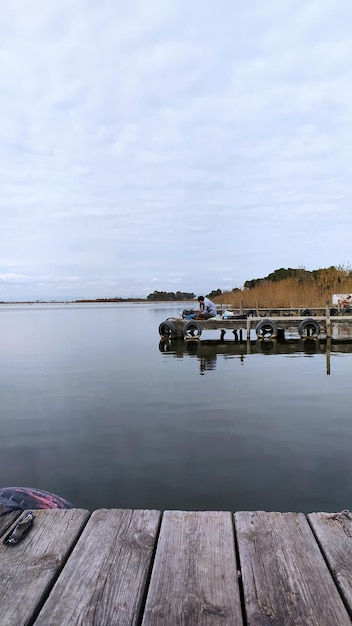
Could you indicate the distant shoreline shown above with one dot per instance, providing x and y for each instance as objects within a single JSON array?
[{"x": 94, "y": 301}]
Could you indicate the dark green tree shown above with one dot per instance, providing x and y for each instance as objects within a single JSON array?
[{"x": 214, "y": 293}]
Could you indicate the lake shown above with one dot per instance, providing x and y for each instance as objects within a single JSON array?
[{"x": 96, "y": 409}]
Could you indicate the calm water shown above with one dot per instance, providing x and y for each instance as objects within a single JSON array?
[{"x": 94, "y": 409}]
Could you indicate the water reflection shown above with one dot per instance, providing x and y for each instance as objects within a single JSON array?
[
  {"x": 206, "y": 351},
  {"x": 93, "y": 411}
]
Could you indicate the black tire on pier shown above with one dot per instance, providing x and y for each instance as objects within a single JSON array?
[
  {"x": 168, "y": 330},
  {"x": 334, "y": 312},
  {"x": 309, "y": 328},
  {"x": 306, "y": 312},
  {"x": 266, "y": 328},
  {"x": 192, "y": 330}
]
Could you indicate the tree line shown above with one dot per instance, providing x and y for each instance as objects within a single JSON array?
[
  {"x": 331, "y": 276},
  {"x": 179, "y": 295},
  {"x": 170, "y": 295}
]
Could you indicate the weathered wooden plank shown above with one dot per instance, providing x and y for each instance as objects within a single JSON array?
[
  {"x": 28, "y": 569},
  {"x": 334, "y": 534},
  {"x": 104, "y": 580},
  {"x": 6, "y": 520},
  {"x": 285, "y": 578},
  {"x": 194, "y": 578}
]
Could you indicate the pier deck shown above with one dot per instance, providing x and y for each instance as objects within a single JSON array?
[
  {"x": 339, "y": 328},
  {"x": 119, "y": 567}
]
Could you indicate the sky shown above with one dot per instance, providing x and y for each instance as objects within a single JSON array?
[{"x": 171, "y": 145}]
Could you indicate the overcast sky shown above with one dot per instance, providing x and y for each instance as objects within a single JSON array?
[{"x": 171, "y": 144}]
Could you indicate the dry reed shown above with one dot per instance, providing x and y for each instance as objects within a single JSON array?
[{"x": 315, "y": 290}]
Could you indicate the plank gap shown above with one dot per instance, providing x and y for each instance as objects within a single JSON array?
[
  {"x": 316, "y": 522},
  {"x": 150, "y": 570},
  {"x": 239, "y": 578}
]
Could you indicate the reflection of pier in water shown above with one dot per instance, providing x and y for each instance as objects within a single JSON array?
[{"x": 207, "y": 350}]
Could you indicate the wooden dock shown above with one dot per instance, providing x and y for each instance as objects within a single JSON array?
[
  {"x": 335, "y": 328},
  {"x": 141, "y": 567}
]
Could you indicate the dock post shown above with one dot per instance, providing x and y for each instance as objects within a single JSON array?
[
  {"x": 241, "y": 308},
  {"x": 248, "y": 335},
  {"x": 328, "y": 354},
  {"x": 328, "y": 320}
]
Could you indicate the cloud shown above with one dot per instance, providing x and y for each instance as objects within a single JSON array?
[
  {"x": 137, "y": 138},
  {"x": 12, "y": 278}
]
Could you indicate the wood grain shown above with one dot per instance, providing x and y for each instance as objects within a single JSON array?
[
  {"x": 28, "y": 569},
  {"x": 6, "y": 520},
  {"x": 194, "y": 578},
  {"x": 286, "y": 580},
  {"x": 104, "y": 580},
  {"x": 334, "y": 534}
]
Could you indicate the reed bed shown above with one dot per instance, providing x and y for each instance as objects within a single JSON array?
[{"x": 313, "y": 291}]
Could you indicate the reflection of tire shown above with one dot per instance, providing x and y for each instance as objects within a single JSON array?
[
  {"x": 191, "y": 347},
  {"x": 165, "y": 345},
  {"x": 347, "y": 310},
  {"x": 168, "y": 330},
  {"x": 266, "y": 328},
  {"x": 192, "y": 330},
  {"x": 265, "y": 346},
  {"x": 310, "y": 345},
  {"x": 306, "y": 312},
  {"x": 308, "y": 328}
]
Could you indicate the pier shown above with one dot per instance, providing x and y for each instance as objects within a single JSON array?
[
  {"x": 151, "y": 568},
  {"x": 328, "y": 323}
]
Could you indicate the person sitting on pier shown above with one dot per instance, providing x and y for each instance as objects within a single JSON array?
[{"x": 207, "y": 308}]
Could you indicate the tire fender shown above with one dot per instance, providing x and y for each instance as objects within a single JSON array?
[
  {"x": 192, "y": 330},
  {"x": 309, "y": 328},
  {"x": 167, "y": 329},
  {"x": 266, "y": 328}
]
